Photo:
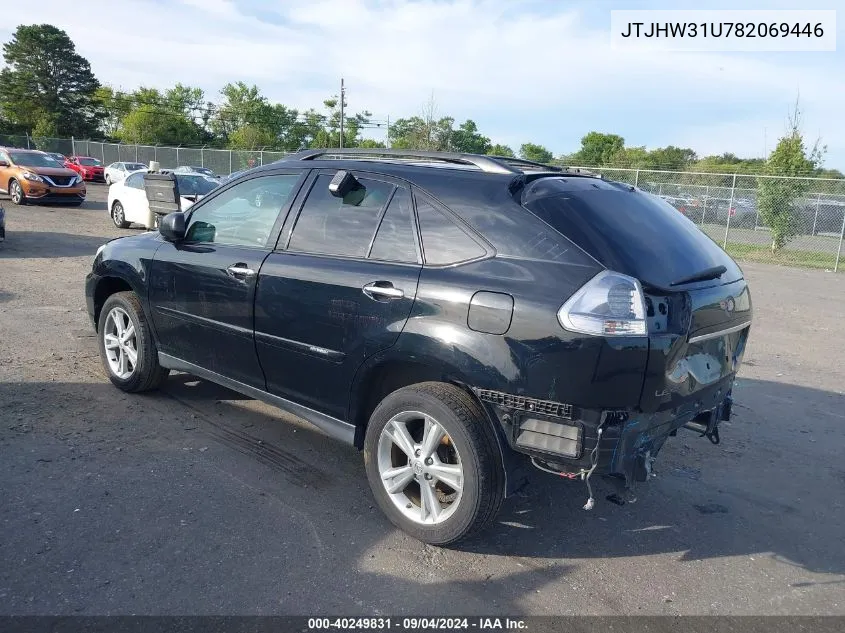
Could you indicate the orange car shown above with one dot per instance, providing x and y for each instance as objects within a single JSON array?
[{"x": 33, "y": 175}]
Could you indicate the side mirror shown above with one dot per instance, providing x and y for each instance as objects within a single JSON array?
[
  {"x": 3, "y": 163},
  {"x": 173, "y": 226},
  {"x": 342, "y": 183}
]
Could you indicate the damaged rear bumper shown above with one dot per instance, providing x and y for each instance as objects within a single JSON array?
[{"x": 575, "y": 443}]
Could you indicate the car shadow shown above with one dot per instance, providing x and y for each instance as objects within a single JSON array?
[
  {"x": 244, "y": 468},
  {"x": 742, "y": 497},
  {"x": 46, "y": 244}
]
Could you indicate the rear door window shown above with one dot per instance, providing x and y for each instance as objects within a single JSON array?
[
  {"x": 135, "y": 181},
  {"x": 394, "y": 241}
]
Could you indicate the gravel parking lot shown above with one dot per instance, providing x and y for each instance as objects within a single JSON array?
[{"x": 194, "y": 500}]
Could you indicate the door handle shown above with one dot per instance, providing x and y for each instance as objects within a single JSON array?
[
  {"x": 382, "y": 290},
  {"x": 240, "y": 270}
]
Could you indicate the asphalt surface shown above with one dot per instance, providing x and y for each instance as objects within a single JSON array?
[{"x": 194, "y": 500}]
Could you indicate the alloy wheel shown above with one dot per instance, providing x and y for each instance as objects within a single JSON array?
[
  {"x": 117, "y": 215},
  {"x": 420, "y": 468},
  {"x": 15, "y": 192},
  {"x": 121, "y": 343}
]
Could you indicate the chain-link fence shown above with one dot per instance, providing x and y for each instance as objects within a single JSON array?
[
  {"x": 778, "y": 219},
  {"x": 220, "y": 161},
  {"x": 787, "y": 220}
]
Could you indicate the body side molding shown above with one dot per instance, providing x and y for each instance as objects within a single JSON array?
[{"x": 338, "y": 429}]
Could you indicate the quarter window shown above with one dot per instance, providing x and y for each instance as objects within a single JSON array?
[
  {"x": 340, "y": 226},
  {"x": 444, "y": 242},
  {"x": 243, "y": 215}
]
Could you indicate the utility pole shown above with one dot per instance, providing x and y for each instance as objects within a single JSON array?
[{"x": 342, "y": 100}]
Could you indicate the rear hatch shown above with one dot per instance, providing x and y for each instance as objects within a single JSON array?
[{"x": 697, "y": 302}]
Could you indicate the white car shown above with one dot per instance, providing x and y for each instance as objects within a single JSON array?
[
  {"x": 118, "y": 171},
  {"x": 127, "y": 202}
]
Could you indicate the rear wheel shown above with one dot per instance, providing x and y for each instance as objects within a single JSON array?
[
  {"x": 16, "y": 192},
  {"x": 433, "y": 463},
  {"x": 107, "y": 180},
  {"x": 118, "y": 216},
  {"x": 127, "y": 348}
]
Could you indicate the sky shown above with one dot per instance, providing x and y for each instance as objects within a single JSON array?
[{"x": 539, "y": 71}]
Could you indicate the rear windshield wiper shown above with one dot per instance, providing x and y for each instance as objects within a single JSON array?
[{"x": 704, "y": 275}]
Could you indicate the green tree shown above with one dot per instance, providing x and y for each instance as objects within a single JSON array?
[
  {"x": 536, "y": 153},
  {"x": 47, "y": 126},
  {"x": 632, "y": 157},
  {"x": 671, "y": 158},
  {"x": 46, "y": 77},
  {"x": 251, "y": 137},
  {"x": 370, "y": 143},
  {"x": 777, "y": 197},
  {"x": 468, "y": 139},
  {"x": 329, "y": 136},
  {"x": 244, "y": 105},
  {"x": 113, "y": 105},
  {"x": 598, "y": 149},
  {"x": 167, "y": 118},
  {"x": 424, "y": 132},
  {"x": 501, "y": 150}
]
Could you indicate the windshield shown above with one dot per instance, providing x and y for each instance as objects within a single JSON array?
[
  {"x": 89, "y": 162},
  {"x": 190, "y": 185},
  {"x": 33, "y": 159}
]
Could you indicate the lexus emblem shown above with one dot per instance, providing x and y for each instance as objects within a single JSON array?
[{"x": 727, "y": 305}]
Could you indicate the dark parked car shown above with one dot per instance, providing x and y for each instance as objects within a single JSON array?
[{"x": 457, "y": 317}]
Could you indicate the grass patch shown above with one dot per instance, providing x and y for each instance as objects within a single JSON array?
[{"x": 784, "y": 256}]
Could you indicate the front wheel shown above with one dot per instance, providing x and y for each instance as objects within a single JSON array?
[
  {"x": 108, "y": 181},
  {"x": 433, "y": 462},
  {"x": 16, "y": 192},
  {"x": 127, "y": 348}
]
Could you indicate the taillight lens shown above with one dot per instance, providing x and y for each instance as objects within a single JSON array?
[{"x": 610, "y": 304}]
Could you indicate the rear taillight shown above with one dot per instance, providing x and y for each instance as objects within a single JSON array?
[{"x": 610, "y": 304}]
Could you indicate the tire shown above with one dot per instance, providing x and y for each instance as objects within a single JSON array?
[
  {"x": 107, "y": 180},
  {"x": 146, "y": 374},
  {"x": 117, "y": 215},
  {"x": 469, "y": 444},
  {"x": 16, "y": 192}
]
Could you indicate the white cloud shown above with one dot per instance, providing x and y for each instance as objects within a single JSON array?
[{"x": 545, "y": 77}]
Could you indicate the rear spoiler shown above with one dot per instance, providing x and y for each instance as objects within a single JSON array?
[{"x": 518, "y": 182}]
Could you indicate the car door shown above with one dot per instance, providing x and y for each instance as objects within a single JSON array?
[
  {"x": 202, "y": 288},
  {"x": 338, "y": 288},
  {"x": 133, "y": 197}
]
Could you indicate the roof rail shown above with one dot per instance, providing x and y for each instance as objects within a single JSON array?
[
  {"x": 521, "y": 164},
  {"x": 489, "y": 164}
]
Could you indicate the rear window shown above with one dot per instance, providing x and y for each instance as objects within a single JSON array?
[{"x": 627, "y": 230}]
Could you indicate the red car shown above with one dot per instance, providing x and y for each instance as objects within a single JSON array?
[{"x": 87, "y": 167}]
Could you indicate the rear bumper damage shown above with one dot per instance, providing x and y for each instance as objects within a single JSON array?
[{"x": 619, "y": 445}]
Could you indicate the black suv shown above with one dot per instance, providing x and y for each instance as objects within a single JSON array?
[{"x": 457, "y": 317}]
